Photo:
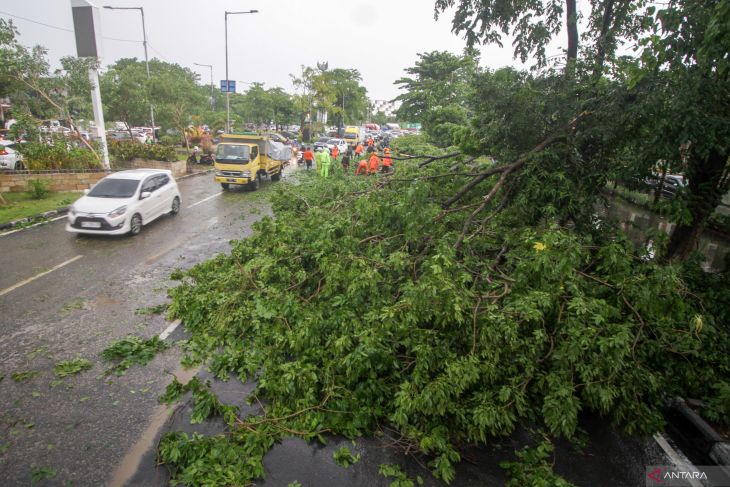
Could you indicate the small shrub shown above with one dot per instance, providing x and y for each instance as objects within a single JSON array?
[
  {"x": 172, "y": 140},
  {"x": 39, "y": 188}
]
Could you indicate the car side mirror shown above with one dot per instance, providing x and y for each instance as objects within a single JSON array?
[{"x": 145, "y": 195}]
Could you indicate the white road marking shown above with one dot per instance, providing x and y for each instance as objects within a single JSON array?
[
  {"x": 31, "y": 226},
  {"x": 205, "y": 199},
  {"x": 31, "y": 279},
  {"x": 677, "y": 459},
  {"x": 168, "y": 331}
]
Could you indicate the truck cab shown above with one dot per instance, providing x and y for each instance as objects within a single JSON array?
[
  {"x": 243, "y": 159},
  {"x": 353, "y": 135}
]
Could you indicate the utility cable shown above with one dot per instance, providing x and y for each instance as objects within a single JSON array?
[{"x": 61, "y": 28}]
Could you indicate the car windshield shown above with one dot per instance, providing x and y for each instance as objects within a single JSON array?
[
  {"x": 114, "y": 188},
  {"x": 350, "y": 136},
  {"x": 232, "y": 153},
  {"x": 323, "y": 139}
]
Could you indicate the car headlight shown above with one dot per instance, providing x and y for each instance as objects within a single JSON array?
[
  {"x": 118, "y": 212},
  {"x": 246, "y": 174},
  {"x": 72, "y": 211},
  {"x": 218, "y": 173}
]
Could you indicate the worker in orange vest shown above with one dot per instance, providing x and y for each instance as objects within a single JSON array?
[
  {"x": 374, "y": 163},
  {"x": 308, "y": 157},
  {"x": 335, "y": 153},
  {"x": 358, "y": 149},
  {"x": 362, "y": 167},
  {"x": 387, "y": 161},
  {"x": 370, "y": 141}
]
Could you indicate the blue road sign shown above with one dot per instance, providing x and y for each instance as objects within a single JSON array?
[{"x": 229, "y": 86}]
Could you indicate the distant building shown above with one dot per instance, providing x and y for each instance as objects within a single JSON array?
[{"x": 388, "y": 107}]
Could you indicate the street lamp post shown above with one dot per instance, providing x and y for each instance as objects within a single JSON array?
[
  {"x": 146, "y": 60},
  {"x": 212, "y": 95},
  {"x": 228, "y": 93}
]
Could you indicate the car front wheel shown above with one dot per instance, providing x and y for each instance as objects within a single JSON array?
[
  {"x": 135, "y": 225},
  {"x": 175, "y": 206}
]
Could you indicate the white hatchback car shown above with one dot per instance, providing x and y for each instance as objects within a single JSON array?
[
  {"x": 124, "y": 201},
  {"x": 9, "y": 156}
]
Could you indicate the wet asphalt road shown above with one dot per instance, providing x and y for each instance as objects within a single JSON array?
[
  {"x": 91, "y": 429},
  {"x": 80, "y": 427}
]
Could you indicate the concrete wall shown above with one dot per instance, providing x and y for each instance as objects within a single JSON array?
[
  {"x": 70, "y": 181},
  {"x": 13, "y": 182},
  {"x": 178, "y": 168}
]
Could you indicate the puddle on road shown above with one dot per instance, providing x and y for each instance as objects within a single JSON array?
[
  {"x": 103, "y": 300},
  {"x": 128, "y": 467}
]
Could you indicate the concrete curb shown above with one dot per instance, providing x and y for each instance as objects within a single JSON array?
[
  {"x": 39, "y": 218},
  {"x": 186, "y": 176},
  {"x": 711, "y": 442},
  {"x": 45, "y": 217}
]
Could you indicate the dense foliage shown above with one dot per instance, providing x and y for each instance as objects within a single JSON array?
[
  {"x": 126, "y": 150},
  {"x": 59, "y": 154},
  {"x": 351, "y": 310}
]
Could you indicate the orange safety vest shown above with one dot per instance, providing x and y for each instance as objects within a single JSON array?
[
  {"x": 374, "y": 163},
  {"x": 362, "y": 166},
  {"x": 387, "y": 161},
  {"x": 358, "y": 149},
  {"x": 335, "y": 151}
]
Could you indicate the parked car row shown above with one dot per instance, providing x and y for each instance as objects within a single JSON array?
[
  {"x": 329, "y": 143},
  {"x": 673, "y": 183},
  {"x": 122, "y": 135}
]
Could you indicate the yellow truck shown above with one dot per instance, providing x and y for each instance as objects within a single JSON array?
[
  {"x": 353, "y": 135},
  {"x": 245, "y": 159}
]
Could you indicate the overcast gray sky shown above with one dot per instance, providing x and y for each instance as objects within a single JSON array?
[{"x": 379, "y": 37}]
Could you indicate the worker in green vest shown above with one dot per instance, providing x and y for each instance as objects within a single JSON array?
[{"x": 324, "y": 162}]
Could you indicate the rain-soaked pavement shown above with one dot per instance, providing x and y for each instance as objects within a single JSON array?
[
  {"x": 91, "y": 429},
  {"x": 80, "y": 427}
]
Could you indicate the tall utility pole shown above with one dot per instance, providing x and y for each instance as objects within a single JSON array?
[
  {"x": 146, "y": 60},
  {"x": 228, "y": 92},
  {"x": 87, "y": 30},
  {"x": 212, "y": 95}
]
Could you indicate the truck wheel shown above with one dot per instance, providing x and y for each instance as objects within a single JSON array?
[
  {"x": 225, "y": 186},
  {"x": 255, "y": 184},
  {"x": 277, "y": 176}
]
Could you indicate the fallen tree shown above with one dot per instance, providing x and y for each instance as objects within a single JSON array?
[{"x": 372, "y": 303}]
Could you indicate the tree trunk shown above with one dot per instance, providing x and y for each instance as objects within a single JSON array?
[
  {"x": 660, "y": 186},
  {"x": 571, "y": 20},
  {"x": 603, "y": 38},
  {"x": 705, "y": 193}
]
